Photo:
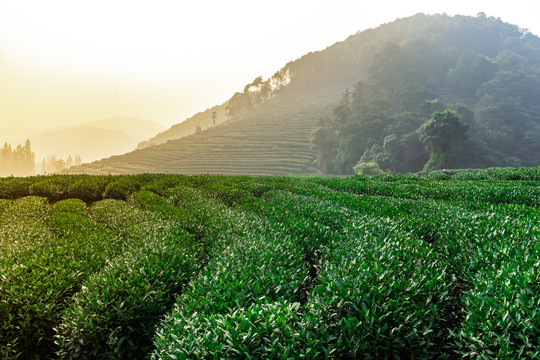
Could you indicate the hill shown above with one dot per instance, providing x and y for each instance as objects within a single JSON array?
[
  {"x": 399, "y": 73},
  {"x": 480, "y": 74},
  {"x": 94, "y": 140},
  {"x": 91, "y": 143},
  {"x": 203, "y": 120},
  {"x": 265, "y": 140},
  {"x": 134, "y": 126}
]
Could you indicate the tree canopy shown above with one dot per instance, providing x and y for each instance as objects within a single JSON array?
[
  {"x": 433, "y": 81},
  {"x": 442, "y": 135}
]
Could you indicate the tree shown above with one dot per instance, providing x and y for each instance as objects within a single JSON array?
[
  {"x": 343, "y": 111},
  {"x": 411, "y": 97},
  {"x": 60, "y": 165},
  {"x": 471, "y": 71},
  {"x": 266, "y": 90},
  {"x": 368, "y": 168},
  {"x": 69, "y": 161},
  {"x": 387, "y": 68},
  {"x": 324, "y": 141},
  {"x": 375, "y": 155},
  {"x": 442, "y": 136},
  {"x": 238, "y": 103},
  {"x": 52, "y": 164},
  {"x": 29, "y": 159},
  {"x": 429, "y": 107},
  {"x": 5, "y": 160},
  {"x": 19, "y": 161}
]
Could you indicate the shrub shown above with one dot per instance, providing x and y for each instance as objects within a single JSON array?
[
  {"x": 368, "y": 168},
  {"x": 121, "y": 188}
]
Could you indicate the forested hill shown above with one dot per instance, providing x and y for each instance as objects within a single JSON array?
[
  {"x": 390, "y": 81},
  {"x": 484, "y": 71}
]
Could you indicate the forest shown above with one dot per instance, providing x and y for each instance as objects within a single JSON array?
[
  {"x": 485, "y": 72},
  {"x": 21, "y": 161},
  {"x": 18, "y": 161}
]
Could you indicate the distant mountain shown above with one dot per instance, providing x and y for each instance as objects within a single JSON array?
[
  {"x": 133, "y": 126},
  {"x": 303, "y": 118},
  {"x": 94, "y": 140},
  {"x": 89, "y": 142}
]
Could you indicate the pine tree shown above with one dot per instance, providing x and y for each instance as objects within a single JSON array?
[
  {"x": 69, "y": 161},
  {"x": 5, "y": 160}
]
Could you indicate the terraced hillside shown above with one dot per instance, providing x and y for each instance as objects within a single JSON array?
[
  {"x": 271, "y": 139},
  {"x": 392, "y": 71}
]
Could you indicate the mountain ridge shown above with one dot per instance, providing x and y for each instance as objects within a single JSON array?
[{"x": 93, "y": 140}]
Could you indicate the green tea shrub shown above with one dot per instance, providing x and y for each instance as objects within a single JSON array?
[
  {"x": 88, "y": 188},
  {"x": 115, "y": 313},
  {"x": 390, "y": 266},
  {"x": 121, "y": 188},
  {"x": 42, "y": 275},
  {"x": 14, "y": 188},
  {"x": 368, "y": 168},
  {"x": 117, "y": 310}
]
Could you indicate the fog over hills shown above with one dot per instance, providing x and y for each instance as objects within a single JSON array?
[
  {"x": 366, "y": 99},
  {"x": 94, "y": 140},
  {"x": 133, "y": 126}
]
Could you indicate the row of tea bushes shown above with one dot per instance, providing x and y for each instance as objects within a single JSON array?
[
  {"x": 53, "y": 250},
  {"x": 267, "y": 267},
  {"x": 114, "y": 313},
  {"x": 497, "y": 192},
  {"x": 494, "y": 258},
  {"x": 371, "y": 263},
  {"x": 117, "y": 310},
  {"x": 245, "y": 301}
]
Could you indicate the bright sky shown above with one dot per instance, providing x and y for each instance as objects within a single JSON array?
[{"x": 64, "y": 62}]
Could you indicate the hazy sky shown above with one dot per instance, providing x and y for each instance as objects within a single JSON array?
[{"x": 71, "y": 61}]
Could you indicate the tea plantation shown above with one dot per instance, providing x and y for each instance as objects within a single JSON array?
[{"x": 156, "y": 266}]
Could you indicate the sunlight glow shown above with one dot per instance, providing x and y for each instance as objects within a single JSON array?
[{"x": 65, "y": 62}]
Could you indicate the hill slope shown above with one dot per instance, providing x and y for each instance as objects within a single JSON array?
[
  {"x": 479, "y": 62},
  {"x": 187, "y": 127},
  {"x": 267, "y": 140},
  {"x": 94, "y": 140},
  {"x": 134, "y": 126}
]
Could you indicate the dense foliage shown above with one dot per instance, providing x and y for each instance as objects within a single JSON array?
[
  {"x": 486, "y": 71},
  {"x": 203, "y": 267}
]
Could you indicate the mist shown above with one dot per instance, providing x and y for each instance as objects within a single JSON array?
[{"x": 64, "y": 64}]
